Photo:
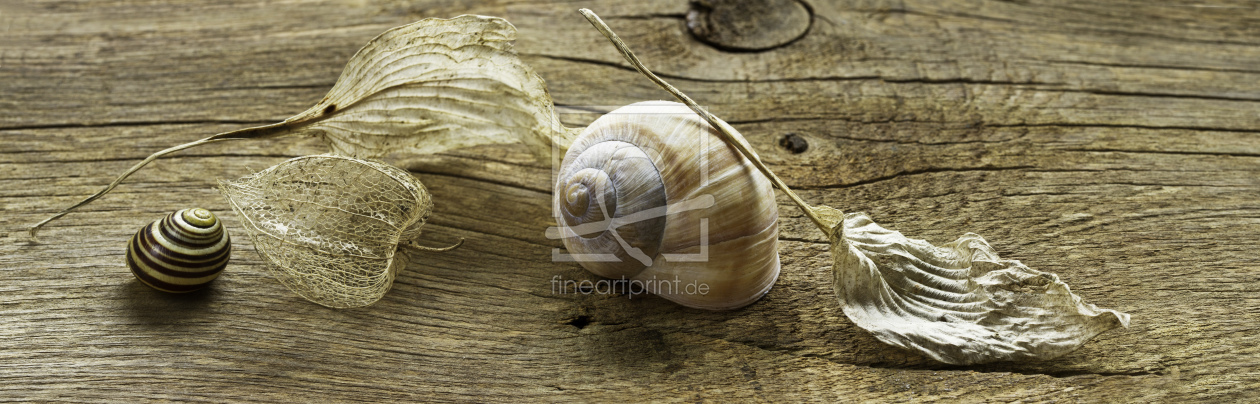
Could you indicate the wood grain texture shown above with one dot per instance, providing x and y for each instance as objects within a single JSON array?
[{"x": 1116, "y": 144}]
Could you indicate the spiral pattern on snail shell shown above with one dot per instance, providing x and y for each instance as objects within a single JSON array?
[
  {"x": 649, "y": 192},
  {"x": 181, "y": 252}
]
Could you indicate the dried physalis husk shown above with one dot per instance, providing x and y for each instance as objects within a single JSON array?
[
  {"x": 433, "y": 86},
  {"x": 330, "y": 226},
  {"x": 958, "y": 304}
]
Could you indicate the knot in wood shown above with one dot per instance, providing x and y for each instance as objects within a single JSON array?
[
  {"x": 794, "y": 143},
  {"x": 756, "y": 25}
]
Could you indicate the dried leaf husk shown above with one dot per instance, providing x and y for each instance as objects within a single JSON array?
[
  {"x": 958, "y": 303},
  {"x": 330, "y": 226},
  {"x": 437, "y": 85}
]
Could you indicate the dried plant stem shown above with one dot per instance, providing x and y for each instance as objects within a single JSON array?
[
  {"x": 247, "y": 133},
  {"x": 419, "y": 247},
  {"x": 730, "y": 136}
]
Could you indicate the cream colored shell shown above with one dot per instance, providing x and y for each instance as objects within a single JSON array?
[
  {"x": 684, "y": 209},
  {"x": 181, "y": 252}
]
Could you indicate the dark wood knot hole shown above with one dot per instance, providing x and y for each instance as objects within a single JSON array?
[
  {"x": 794, "y": 143},
  {"x": 748, "y": 25}
]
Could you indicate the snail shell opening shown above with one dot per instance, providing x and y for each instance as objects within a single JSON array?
[
  {"x": 181, "y": 252},
  {"x": 650, "y": 193}
]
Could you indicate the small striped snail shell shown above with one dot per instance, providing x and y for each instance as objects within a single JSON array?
[
  {"x": 650, "y": 193},
  {"x": 180, "y": 253}
]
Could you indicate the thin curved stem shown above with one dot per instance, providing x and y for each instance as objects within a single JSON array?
[
  {"x": 728, "y": 133},
  {"x": 434, "y": 249},
  {"x": 247, "y": 133}
]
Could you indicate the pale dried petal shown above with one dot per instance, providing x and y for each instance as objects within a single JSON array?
[
  {"x": 958, "y": 303},
  {"x": 330, "y": 225},
  {"x": 436, "y": 85}
]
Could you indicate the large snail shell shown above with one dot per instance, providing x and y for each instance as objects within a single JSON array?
[
  {"x": 180, "y": 253},
  {"x": 638, "y": 163}
]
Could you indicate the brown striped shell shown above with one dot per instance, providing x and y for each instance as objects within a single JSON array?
[
  {"x": 180, "y": 253},
  {"x": 650, "y": 193}
]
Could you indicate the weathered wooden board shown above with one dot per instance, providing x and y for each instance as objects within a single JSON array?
[{"x": 1116, "y": 144}]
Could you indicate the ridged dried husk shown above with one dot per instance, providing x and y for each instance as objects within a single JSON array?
[
  {"x": 330, "y": 226},
  {"x": 958, "y": 303},
  {"x": 435, "y": 85}
]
